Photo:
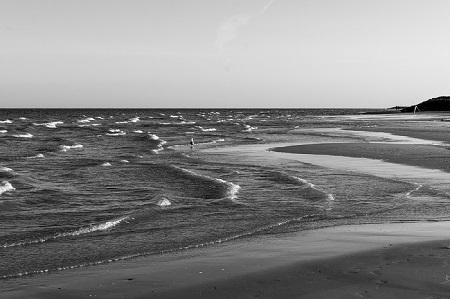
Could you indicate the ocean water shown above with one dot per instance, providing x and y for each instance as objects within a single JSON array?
[{"x": 79, "y": 188}]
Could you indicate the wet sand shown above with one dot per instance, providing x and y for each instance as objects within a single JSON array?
[
  {"x": 402, "y": 271},
  {"x": 426, "y": 156},
  {"x": 403, "y": 260}
]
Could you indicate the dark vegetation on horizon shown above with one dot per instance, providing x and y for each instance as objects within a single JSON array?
[{"x": 441, "y": 103}]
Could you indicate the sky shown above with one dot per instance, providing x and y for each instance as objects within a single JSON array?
[{"x": 223, "y": 53}]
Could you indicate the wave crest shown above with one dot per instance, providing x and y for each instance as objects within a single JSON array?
[
  {"x": 64, "y": 148},
  {"x": 6, "y": 186},
  {"x": 81, "y": 231},
  {"x": 26, "y": 135}
]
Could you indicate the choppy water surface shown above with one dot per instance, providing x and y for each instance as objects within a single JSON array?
[{"x": 86, "y": 187}]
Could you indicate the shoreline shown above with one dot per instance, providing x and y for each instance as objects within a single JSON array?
[{"x": 333, "y": 262}]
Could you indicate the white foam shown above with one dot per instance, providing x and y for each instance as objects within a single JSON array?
[
  {"x": 86, "y": 120},
  {"x": 121, "y": 122},
  {"x": 232, "y": 189},
  {"x": 64, "y": 148},
  {"x": 329, "y": 196},
  {"x": 3, "y": 131},
  {"x": 27, "y": 135},
  {"x": 207, "y": 130},
  {"x": 248, "y": 128},
  {"x": 6, "y": 186},
  {"x": 156, "y": 151},
  {"x": 89, "y": 125},
  {"x": 116, "y": 132},
  {"x": 138, "y": 131},
  {"x": 93, "y": 228},
  {"x": 53, "y": 124},
  {"x": 5, "y": 121},
  {"x": 49, "y": 124},
  {"x": 5, "y": 169},
  {"x": 85, "y": 230},
  {"x": 134, "y": 120},
  {"x": 106, "y": 164},
  {"x": 124, "y": 161},
  {"x": 153, "y": 136},
  {"x": 37, "y": 156},
  {"x": 304, "y": 182},
  {"x": 164, "y": 202}
]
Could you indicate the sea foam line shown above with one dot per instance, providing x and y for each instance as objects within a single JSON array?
[
  {"x": 171, "y": 250},
  {"x": 84, "y": 230}
]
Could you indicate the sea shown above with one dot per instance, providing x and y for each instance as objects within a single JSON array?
[{"x": 88, "y": 187}]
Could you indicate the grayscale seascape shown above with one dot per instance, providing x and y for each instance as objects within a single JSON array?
[{"x": 86, "y": 187}]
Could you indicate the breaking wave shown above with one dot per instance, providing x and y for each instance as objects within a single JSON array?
[
  {"x": 81, "y": 231},
  {"x": 49, "y": 124},
  {"x": 6, "y": 186},
  {"x": 181, "y": 248},
  {"x": 26, "y": 135},
  {"x": 231, "y": 189},
  {"x": 36, "y": 157},
  {"x": 164, "y": 202},
  {"x": 5, "y": 169},
  {"x": 115, "y": 132},
  {"x": 65, "y": 148},
  {"x": 207, "y": 130},
  {"x": 86, "y": 120}
]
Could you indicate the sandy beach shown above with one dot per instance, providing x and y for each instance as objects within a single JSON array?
[{"x": 403, "y": 260}]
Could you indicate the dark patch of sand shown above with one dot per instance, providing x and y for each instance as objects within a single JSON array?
[{"x": 404, "y": 271}]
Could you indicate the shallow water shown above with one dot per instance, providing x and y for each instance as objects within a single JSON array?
[{"x": 86, "y": 187}]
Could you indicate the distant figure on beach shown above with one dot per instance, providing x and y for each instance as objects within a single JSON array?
[{"x": 192, "y": 143}]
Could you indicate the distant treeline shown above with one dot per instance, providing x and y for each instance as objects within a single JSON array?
[{"x": 441, "y": 103}]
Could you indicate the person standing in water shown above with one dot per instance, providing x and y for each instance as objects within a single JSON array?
[{"x": 192, "y": 143}]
